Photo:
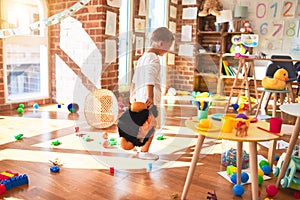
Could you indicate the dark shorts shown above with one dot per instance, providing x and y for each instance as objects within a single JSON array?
[{"x": 129, "y": 129}]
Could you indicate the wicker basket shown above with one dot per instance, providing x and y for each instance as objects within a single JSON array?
[{"x": 101, "y": 108}]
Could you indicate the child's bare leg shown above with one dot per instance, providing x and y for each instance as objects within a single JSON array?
[
  {"x": 124, "y": 144},
  {"x": 146, "y": 147}
]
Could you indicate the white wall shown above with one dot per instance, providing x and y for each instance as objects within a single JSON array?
[{"x": 283, "y": 30}]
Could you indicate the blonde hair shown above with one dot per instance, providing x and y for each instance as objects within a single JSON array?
[{"x": 161, "y": 34}]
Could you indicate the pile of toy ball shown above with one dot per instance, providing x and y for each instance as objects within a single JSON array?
[{"x": 20, "y": 108}]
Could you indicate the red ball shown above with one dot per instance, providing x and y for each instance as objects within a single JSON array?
[
  {"x": 297, "y": 195},
  {"x": 271, "y": 190}
]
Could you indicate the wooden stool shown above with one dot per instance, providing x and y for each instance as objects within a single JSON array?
[
  {"x": 273, "y": 143},
  {"x": 246, "y": 65}
]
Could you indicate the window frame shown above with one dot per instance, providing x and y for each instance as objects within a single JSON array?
[{"x": 29, "y": 40}]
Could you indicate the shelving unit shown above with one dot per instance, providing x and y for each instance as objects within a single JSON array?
[{"x": 209, "y": 59}]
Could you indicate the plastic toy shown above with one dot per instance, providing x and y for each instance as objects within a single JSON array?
[
  {"x": 112, "y": 170},
  {"x": 296, "y": 195},
  {"x": 73, "y": 107},
  {"x": 7, "y": 175},
  {"x": 260, "y": 180},
  {"x": 21, "y": 105},
  {"x": 229, "y": 158},
  {"x": 56, "y": 143},
  {"x": 56, "y": 162},
  {"x": 35, "y": 106},
  {"x": 149, "y": 167},
  {"x": 260, "y": 172},
  {"x": 238, "y": 190},
  {"x": 20, "y": 110},
  {"x": 271, "y": 190},
  {"x": 291, "y": 178},
  {"x": 244, "y": 177},
  {"x": 265, "y": 167},
  {"x": 278, "y": 82},
  {"x": 174, "y": 196},
  {"x": 112, "y": 141},
  {"x": 230, "y": 169},
  {"x": 13, "y": 182},
  {"x": 211, "y": 196},
  {"x": 87, "y": 138},
  {"x": 19, "y": 136},
  {"x": 54, "y": 169},
  {"x": 241, "y": 129},
  {"x": 212, "y": 7},
  {"x": 160, "y": 137}
]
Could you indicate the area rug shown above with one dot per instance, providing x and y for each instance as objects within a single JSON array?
[
  {"x": 170, "y": 144},
  {"x": 29, "y": 127}
]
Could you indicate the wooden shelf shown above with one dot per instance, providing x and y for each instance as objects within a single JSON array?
[
  {"x": 210, "y": 33},
  {"x": 209, "y": 54}
]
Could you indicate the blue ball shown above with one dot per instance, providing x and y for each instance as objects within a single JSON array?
[
  {"x": 244, "y": 177},
  {"x": 238, "y": 190},
  {"x": 266, "y": 169},
  {"x": 276, "y": 158},
  {"x": 36, "y": 106},
  {"x": 73, "y": 107},
  {"x": 233, "y": 178}
]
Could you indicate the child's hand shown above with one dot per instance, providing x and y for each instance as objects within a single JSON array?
[{"x": 149, "y": 103}]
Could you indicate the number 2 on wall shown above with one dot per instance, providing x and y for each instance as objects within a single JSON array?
[{"x": 288, "y": 9}]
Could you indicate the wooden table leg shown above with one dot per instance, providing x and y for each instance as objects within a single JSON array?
[
  {"x": 274, "y": 105},
  {"x": 271, "y": 152},
  {"x": 253, "y": 170},
  {"x": 194, "y": 161},
  {"x": 289, "y": 151},
  {"x": 239, "y": 161}
]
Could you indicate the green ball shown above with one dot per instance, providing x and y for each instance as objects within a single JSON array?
[
  {"x": 262, "y": 163},
  {"x": 21, "y": 105},
  {"x": 260, "y": 179},
  {"x": 20, "y": 110}
]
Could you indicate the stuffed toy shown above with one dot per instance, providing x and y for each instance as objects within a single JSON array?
[
  {"x": 212, "y": 7},
  {"x": 237, "y": 45},
  {"x": 246, "y": 28},
  {"x": 278, "y": 82}
]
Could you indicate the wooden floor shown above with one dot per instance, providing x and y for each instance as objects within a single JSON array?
[{"x": 82, "y": 182}]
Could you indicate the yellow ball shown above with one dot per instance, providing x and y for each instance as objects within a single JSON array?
[{"x": 260, "y": 172}]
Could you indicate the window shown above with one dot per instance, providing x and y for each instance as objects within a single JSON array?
[
  {"x": 25, "y": 53},
  {"x": 124, "y": 44},
  {"x": 157, "y": 17}
]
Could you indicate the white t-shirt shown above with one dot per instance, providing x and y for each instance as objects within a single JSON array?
[{"x": 147, "y": 72}]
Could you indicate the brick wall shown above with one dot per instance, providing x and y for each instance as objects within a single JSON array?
[
  {"x": 91, "y": 21},
  {"x": 181, "y": 74}
]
